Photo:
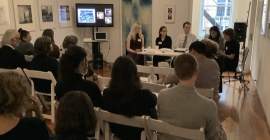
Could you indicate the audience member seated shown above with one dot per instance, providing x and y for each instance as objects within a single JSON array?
[
  {"x": 43, "y": 62},
  {"x": 184, "y": 40},
  {"x": 183, "y": 106},
  {"x": 135, "y": 43},
  {"x": 73, "y": 67},
  {"x": 25, "y": 47},
  {"x": 125, "y": 96},
  {"x": 208, "y": 74},
  {"x": 55, "y": 51},
  {"x": 212, "y": 53},
  {"x": 75, "y": 117},
  {"x": 232, "y": 48},
  {"x": 162, "y": 41},
  {"x": 9, "y": 57},
  {"x": 14, "y": 99},
  {"x": 215, "y": 35}
]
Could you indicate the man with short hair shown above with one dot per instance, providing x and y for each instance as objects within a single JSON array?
[
  {"x": 9, "y": 57},
  {"x": 185, "y": 39},
  {"x": 183, "y": 106}
]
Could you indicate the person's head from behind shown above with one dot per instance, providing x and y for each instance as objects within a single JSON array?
[
  {"x": 187, "y": 27},
  {"x": 69, "y": 40},
  {"x": 197, "y": 48},
  {"x": 211, "y": 48},
  {"x": 124, "y": 76},
  {"x": 228, "y": 34},
  {"x": 11, "y": 37},
  {"x": 214, "y": 32},
  {"x": 15, "y": 94},
  {"x": 73, "y": 61},
  {"x": 42, "y": 45},
  {"x": 186, "y": 69},
  {"x": 75, "y": 116},
  {"x": 49, "y": 33},
  {"x": 24, "y": 35},
  {"x": 162, "y": 31}
]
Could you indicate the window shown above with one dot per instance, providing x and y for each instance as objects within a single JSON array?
[
  {"x": 220, "y": 11},
  {"x": 215, "y": 13}
]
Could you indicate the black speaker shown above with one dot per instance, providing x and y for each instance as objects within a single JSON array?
[{"x": 240, "y": 29}]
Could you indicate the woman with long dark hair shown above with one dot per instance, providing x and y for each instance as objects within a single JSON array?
[
  {"x": 162, "y": 41},
  {"x": 73, "y": 67},
  {"x": 125, "y": 96},
  {"x": 55, "y": 51},
  {"x": 75, "y": 117},
  {"x": 215, "y": 35}
]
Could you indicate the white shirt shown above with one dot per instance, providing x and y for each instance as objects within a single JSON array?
[{"x": 181, "y": 39}]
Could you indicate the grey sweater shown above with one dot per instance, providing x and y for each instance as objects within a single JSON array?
[{"x": 184, "y": 107}]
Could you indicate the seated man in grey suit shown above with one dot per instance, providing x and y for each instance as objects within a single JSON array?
[{"x": 183, "y": 106}]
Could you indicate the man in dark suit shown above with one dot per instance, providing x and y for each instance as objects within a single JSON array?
[{"x": 9, "y": 57}]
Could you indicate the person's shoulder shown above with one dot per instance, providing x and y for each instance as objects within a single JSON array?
[
  {"x": 32, "y": 123},
  {"x": 208, "y": 103},
  {"x": 147, "y": 93}
]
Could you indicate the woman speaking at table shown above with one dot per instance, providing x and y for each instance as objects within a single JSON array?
[
  {"x": 162, "y": 41},
  {"x": 135, "y": 43}
]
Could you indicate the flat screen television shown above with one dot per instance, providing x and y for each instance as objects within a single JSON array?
[{"x": 94, "y": 15}]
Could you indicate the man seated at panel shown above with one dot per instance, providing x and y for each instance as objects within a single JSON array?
[
  {"x": 184, "y": 40},
  {"x": 183, "y": 106}
]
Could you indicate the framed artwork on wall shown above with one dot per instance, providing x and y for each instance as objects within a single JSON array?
[
  {"x": 25, "y": 13},
  {"x": 169, "y": 13},
  {"x": 65, "y": 13},
  {"x": 47, "y": 14},
  {"x": 4, "y": 16}
]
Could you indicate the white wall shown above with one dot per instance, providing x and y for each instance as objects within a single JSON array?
[
  {"x": 183, "y": 13},
  {"x": 60, "y": 33},
  {"x": 260, "y": 67}
]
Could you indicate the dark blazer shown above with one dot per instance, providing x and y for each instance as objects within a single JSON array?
[
  {"x": 44, "y": 63},
  {"x": 232, "y": 47},
  {"x": 166, "y": 43},
  {"x": 77, "y": 83},
  {"x": 11, "y": 59},
  {"x": 142, "y": 102}
]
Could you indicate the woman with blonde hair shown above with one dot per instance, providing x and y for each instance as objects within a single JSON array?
[
  {"x": 135, "y": 43},
  {"x": 15, "y": 98}
]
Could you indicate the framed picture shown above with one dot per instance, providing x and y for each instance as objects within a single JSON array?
[
  {"x": 25, "y": 14},
  {"x": 47, "y": 14},
  {"x": 65, "y": 11},
  {"x": 4, "y": 16},
  {"x": 264, "y": 17},
  {"x": 169, "y": 13}
]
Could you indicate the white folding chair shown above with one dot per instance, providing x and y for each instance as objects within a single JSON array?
[
  {"x": 209, "y": 93},
  {"x": 105, "y": 117},
  {"x": 45, "y": 76},
  {"x": 162, "y": 127},
  {"x": 155, "y": 88}
]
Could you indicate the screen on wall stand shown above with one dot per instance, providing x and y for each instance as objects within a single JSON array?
[{"x": 94, "y": 15}]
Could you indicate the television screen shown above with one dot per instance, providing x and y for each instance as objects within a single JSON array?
[{"x": 94, "y": 15}]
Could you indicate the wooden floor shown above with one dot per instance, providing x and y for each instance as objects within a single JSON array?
[{"x": 242, "y": 114}]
